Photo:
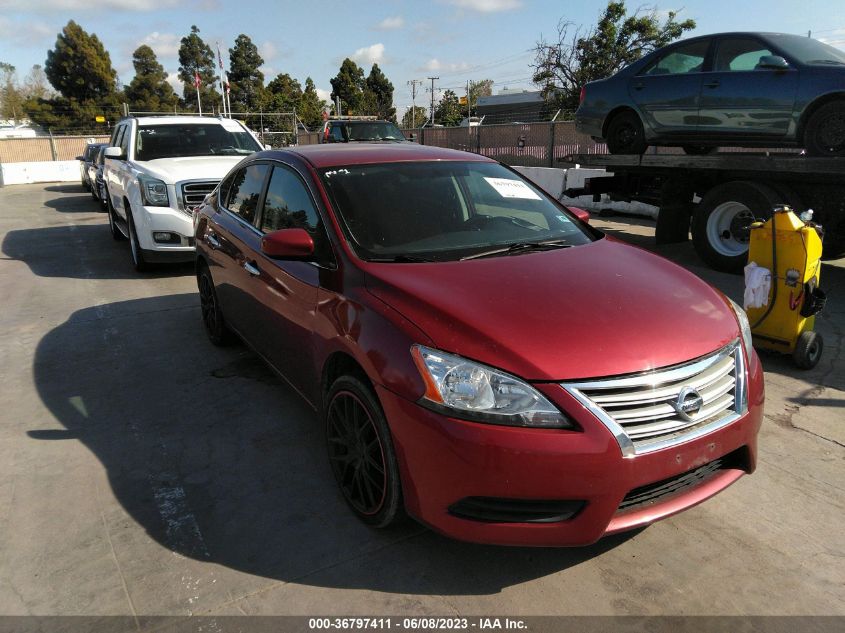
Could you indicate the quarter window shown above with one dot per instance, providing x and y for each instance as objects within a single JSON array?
[
  {"x": 684, "y": 59},
  {"x": 740, "y": 54},
  {"x": 245, "y": 191}
]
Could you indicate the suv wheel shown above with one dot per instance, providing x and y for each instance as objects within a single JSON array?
[
  {"x": 116, "y": 233},
  {"x": 138, "y": 261}
]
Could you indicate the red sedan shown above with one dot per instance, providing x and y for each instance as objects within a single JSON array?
[{"x": 482, "y": 359}]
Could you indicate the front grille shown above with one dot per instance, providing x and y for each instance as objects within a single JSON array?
[
  {"x": 664, "y": 407},
  {"x": 651, "y": 494},
  {"x": 497, "y": 510},
  {"x": 193, "y": 193}
]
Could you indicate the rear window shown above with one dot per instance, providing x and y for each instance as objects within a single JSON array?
[
  {"x": 213, "y": 139},
  {"x": 343, "y": 131}
]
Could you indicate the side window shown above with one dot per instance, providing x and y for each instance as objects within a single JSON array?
[
  {"x": 115, "y": 137},
  {"x": 336, "y": 132},
  {"x": 288, "y": 204},
  {"x": 245, "y": 191},
  {"x": 684, "y": 59},
  {"x": 739, "y": 54},
  {"x": 225, "y": 187},
  {"x": 124, "y": 139}
]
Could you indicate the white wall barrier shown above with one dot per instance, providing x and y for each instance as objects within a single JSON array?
[{"x": 43, "y": 171}]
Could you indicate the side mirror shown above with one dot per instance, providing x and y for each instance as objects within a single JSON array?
[
  {"x": 772, "y": 62},
  {"x": 581, "y": 214},
  {"x": 288, "y": 244},
  {"x": 113, "y": 152}
]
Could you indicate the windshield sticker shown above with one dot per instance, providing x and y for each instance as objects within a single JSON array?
[
  {"x": 230, "y": 125},
  {"x": 508, "y": 188}
]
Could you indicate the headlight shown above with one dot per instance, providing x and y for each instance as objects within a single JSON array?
[
  {"x": 744, "y": 326},
  {"x": 153, "y": 192},
  {"x": 461, "y": 388}
]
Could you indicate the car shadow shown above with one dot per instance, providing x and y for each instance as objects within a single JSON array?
[
  {"x": 84, "y": 251},
  {"x": 66, "y": 188},
  {"x": 80, "y": 202},
  {"x": 217, "y": 459}
]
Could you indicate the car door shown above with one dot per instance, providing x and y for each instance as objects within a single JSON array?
[
  {"x": 115, "y": 168},
  {"x": 233, "y": 240},
  {"x": 667, "y": 91},
  {"x": 739, "y": 98},
  {"x": 286, "y": 290}
]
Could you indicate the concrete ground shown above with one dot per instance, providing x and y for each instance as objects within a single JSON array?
[{"x": 143, "y": 471}]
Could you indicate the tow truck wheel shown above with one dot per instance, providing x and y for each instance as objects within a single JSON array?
[
  {"x": 720, "y": 224},
  {"x": 824, "y": 134},
  {"x": 808, "y": 350}
]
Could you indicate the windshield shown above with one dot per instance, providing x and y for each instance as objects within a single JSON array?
[
  {"x": 212, "y": 139},
  {"x": 443, "y": 210},
  {"x": 370, "y": 131},
  {"x": 809, "y": 51}
]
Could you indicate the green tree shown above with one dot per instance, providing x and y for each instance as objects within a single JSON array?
[
  {"x": 149, "y": 91},
  {"x": 414, "y": 117},
  {"x": 348, "y": 84},
  {"x": 378, "y": 95},
  {"x": 36, "y": 84},
  {"x": 481, "y": 88},
  {"x": 448, "y": 110},
  {"x": 247, "y": 82},
  {"x": 283, "y": 94},
  {"x": 79, "y": 67},
  {"x": 311, "y": 107},
  {"x": 195, "y": 56},
  {"x": 577, "y": 56},
  {"x": 11, "y": 97}
]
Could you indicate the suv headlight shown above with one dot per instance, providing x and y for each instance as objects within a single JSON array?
[
  {"x": 744, "y": 326},
  {"x": 153, "y": 192},
  {"x": 461, "y": 388}
]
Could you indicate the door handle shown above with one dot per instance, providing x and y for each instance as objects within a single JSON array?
[
  {"x": 211, "y": 238},
  {"x": 252, "y": 269},
  {"x": 713, "y": 84}
]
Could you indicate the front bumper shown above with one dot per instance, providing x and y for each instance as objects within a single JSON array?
[
  {"x": 165, "y": 220},
  {"x": 444, "y": 460}
]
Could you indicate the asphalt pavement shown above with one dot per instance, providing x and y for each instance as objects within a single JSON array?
[{"x": 144, "y": 471}]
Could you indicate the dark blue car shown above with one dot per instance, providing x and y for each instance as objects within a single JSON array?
[{"x": 738, "y": 89}]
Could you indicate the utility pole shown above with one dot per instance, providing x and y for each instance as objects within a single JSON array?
[
  {"x": 414, "y": 83},
  {"x": 433, "y": 79},
  {"x": 469, "y": 101}
]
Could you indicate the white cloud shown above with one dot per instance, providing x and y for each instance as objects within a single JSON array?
[
  {"x": 269, "y": 73},
  {"x": 25, "y": 33},
  {"x": 175, "y": 83},
  {"x": 163, "y": 44},
  {"x": 391, "y": 23},
  {"x": 268, "y": 51},
  {"x": 324, "y": 95},
  {"x": 134, "y": 6},
  {"x": 369, "y": 54},
  {"x": 435, "y": 65},
  {"x": 487, "y": 6}
]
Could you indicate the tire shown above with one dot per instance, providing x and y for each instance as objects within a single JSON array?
[
  {"x": 625, "y": 134},
  {"x": 116, "y": 233},
  {"x": 212, "y": 316},
  {"x": 698, "y": 150},
  {"x": 824, "y": 134},
  {"x": 720, "y": 222},
  {"x": 136, "y": 255},
  {"x": 361, "y": 454},
  {"x": 808, "y": 350}
]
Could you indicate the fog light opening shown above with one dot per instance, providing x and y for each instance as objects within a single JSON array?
[{"x": 164, "y": 237}]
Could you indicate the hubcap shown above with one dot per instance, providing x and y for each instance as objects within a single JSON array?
[
  {"x": 831, "y": 133},
  {"x": 728, "y": 229},
  {"x": 356, "y": 454}
]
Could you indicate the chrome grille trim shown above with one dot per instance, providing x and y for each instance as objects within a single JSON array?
[
  {"x": 191, "y": 194},
  {"x": 638, "y": 411}
]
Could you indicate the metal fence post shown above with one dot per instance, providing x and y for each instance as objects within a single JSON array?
[
  {"x": 551, "y": 143},
  {"x": 53, "y": 147}
]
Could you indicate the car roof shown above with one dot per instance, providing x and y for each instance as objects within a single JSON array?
[{"x": 336, "y": 155}]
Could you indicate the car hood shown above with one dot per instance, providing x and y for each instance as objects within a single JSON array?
[
  {"x": 599, "y": 309},
  {"x": 173, "y": 170}
]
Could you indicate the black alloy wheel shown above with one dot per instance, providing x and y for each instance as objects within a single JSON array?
[
  {"x": 625, "y": 134},
  {"x": 825, "y": 131},
  {"x": 212, "y": 317},
  {"x": 361, "y": 453}
]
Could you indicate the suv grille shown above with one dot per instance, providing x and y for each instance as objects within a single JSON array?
[
  {"x": 654, "y": 410},
  {"x": 193, "y": 193}
]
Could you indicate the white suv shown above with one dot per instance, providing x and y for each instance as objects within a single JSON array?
[{"x": 157, "y": 169}]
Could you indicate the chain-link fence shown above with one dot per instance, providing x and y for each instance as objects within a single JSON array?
[{"x": 45, "y": 148}]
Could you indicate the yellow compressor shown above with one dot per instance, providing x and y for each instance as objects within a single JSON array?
[{"x": 790, "y": 248}]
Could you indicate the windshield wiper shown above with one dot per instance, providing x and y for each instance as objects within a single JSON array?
[
  {"x": 400, "y": 259},
  {"x": 520, "y": 247}
]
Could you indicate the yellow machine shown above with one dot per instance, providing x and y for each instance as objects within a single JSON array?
[{"x": 791, "y": 249}]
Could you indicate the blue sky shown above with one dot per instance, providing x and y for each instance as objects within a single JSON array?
[{"x": 456, "y": 40}]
